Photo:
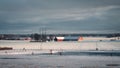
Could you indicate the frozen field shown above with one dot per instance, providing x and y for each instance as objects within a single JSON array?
[
  {"x": 82, "y": 45},
  {"x": 57, "y": 61},
  {"x": 74, "y": 54}
]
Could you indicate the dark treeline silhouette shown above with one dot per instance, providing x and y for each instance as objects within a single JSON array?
[
  {"x": 39, "y": 37},
  {"x": 43, "y": 37}
]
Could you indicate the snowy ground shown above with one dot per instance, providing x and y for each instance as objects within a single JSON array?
[
  {"x": 37, "y": 55},
  {"x": 82, "y": 45},
  {"x": 57, "y": 61}
]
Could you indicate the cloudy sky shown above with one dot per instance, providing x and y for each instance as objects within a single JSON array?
[{"x": 60, "y": 16}]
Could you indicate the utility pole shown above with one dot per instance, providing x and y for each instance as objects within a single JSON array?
[
  {"x": 96, "y": 46},
  {"x": 40, "y": 38}
]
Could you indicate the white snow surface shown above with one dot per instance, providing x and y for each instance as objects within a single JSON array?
[
  {"x": 31, "y": 58},
  {"x": 56, "y": 61}
]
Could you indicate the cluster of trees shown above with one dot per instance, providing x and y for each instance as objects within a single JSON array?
[
  {"x": 39, "y": 37},
  {"x": 43, "y": 37}
]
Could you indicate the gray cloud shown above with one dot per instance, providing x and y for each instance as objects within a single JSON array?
[{"x": 27, "y": 16}]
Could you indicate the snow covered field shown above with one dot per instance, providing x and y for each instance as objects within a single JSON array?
[
  {"x": 37, "y": 55},
  {"x": 73, "y": 45},
  {"x": 57, "y": 61}
]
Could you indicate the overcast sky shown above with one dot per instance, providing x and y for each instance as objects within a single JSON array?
[{"x": 60, "y": 16}]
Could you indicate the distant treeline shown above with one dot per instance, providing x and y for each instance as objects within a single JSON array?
[
  {"x": 88, "y": 35},
  {"x": 43, "y": 37}
]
